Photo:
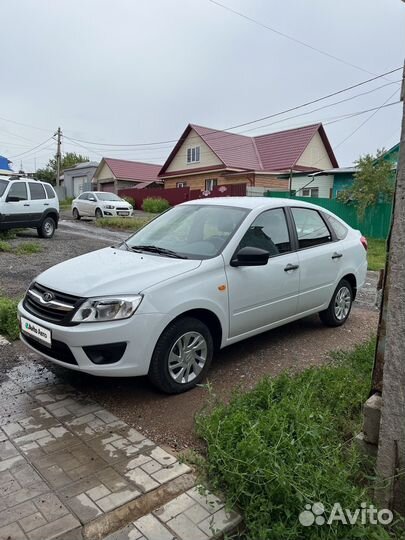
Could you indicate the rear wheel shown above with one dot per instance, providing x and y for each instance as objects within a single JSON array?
[
  {"x": 99, "y": 213},
  {"x": 47, "y": 228},
  {"x": 182, "y": 356},
  {"x": 340, "y": 306},
  {"x": 75, "y": 213}
]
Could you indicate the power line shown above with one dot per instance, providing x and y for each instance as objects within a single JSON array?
[
  {"x": 291, "y": 38},
  {"x": 267, "y": 117},
  {"x": 32, "y": 149}
]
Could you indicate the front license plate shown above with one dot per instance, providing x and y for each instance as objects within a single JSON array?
[
  {"x": 36, "y": 331},
  {"x": 123, "y": 213}
]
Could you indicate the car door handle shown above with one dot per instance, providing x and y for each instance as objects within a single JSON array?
[
  {"x": 46, "y": 203},
  {"x": 291, "y": 267},
  {"x": 337, "y": 255},
  {"x": 26, "y": 204}
]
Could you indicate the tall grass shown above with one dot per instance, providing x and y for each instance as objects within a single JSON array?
[{"x": 288, "y": 443}]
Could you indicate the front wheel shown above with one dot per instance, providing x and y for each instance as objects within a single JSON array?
[
  {"x": 182, "y": 356},
  {"x": 76, "y": 214},
  {"x": 340, "y": 306},
  {"x": 99, "y": 213},
  {"x": 47, "y": 228}
]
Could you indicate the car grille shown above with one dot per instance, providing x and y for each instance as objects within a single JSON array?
[
  {"x": 59, "y": 351},
  {"x": 123, "y": 208},
  {"x": 58, "y": 309}
]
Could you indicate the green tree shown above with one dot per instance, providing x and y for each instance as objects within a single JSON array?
[
  {"x": 48, "y": 173},
  {"x": 373, "y": 182}
]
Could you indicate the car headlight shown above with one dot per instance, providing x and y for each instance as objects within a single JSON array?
[
  {"x": 107, "y": 308},
  {"x": 109, "y": 206}
]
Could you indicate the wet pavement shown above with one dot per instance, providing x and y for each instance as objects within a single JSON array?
[{"x": 70, "y": 469}]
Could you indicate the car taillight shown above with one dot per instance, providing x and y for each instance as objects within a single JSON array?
[{"x": 363, "y": 240}]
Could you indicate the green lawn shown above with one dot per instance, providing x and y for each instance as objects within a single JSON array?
[
  {"x": 376, "y": 254},
  {"x": 122, "y": 223},
  {"x": 8, "y": 318},
  {"x": 288, "y": 443}
]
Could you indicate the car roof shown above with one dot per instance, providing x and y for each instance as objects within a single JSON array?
[{"x": 251, "y": 202}]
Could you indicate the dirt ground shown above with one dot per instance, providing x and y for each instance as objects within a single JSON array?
[{"x": 169, "y": 420}]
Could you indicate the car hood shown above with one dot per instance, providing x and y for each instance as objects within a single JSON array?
[{"x": 112, "y": 271}]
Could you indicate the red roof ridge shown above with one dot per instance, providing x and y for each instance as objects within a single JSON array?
[
  {"x": 132, "y": 161},
  {"x": 317, "y": 125}
]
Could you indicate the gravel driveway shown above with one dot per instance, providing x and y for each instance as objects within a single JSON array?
[{"x": 169, "y": 419}]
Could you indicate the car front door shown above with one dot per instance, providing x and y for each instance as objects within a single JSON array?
[
  {"x": 38, "y": 202},
  {"x": 17, "y": 205},
  {"x": 83, "y": 204},
  {"x": 261, "y": 296},
  {"x": 318, "y": 257}
]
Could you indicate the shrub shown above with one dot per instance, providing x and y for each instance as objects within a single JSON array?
[
  {"x": 130, "y": 200},
  {"x": 288, "y": 443},
  {"x": 155, "y": 205},
  {"x": 8, "y": 318},
  {"x": 66, "y": 203}
]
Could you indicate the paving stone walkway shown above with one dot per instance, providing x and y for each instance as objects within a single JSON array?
[{"x": 70, "y": 469}]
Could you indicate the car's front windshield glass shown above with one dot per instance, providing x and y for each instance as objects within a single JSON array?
[
  {"x": 3, "y": 185},
  {"x": 108, "y": 197},
  {"x": 191, "y": 231}
]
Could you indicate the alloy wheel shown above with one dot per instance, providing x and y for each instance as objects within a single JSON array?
[
  {"x": 187, "y": 357},
  {"x": 343, "y": 303}
]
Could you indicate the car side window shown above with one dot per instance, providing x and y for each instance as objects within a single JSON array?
[
  {"x": 49, "y": 191},
  {"x": 18, "y": 191},
  {"x": 269, "y": 231},
  {"x": 37, "y": 191},
  {"x": 83, "y": 197},
  {"x": 340, "y": 230},
  {"x": 311, "y": 228}
]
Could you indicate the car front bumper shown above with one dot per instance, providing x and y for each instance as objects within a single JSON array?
[
  {"x": 140, "y": 333},
  {"x": 109, "y": 212}
]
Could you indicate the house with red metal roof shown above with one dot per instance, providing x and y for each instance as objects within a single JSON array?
[
  {"x": 114, "y": 174},
  {"x": 204, "y": 158}
]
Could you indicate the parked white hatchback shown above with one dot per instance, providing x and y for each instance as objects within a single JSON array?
[
  {"x": 100, "y": 204},
  {"x": 201, "y": 276}
]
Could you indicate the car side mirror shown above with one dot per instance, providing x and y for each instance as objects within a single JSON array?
[
  {"x": 250, "y": 256},
  {"x": 10, "y": 198},
  {"x": 92, "y": 199}
]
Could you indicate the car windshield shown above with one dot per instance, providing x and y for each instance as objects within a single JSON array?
[
  {"x": 189, "y": 231},
  {"x": 108, "y": 197},
  {"x": 3, "y": 185}
]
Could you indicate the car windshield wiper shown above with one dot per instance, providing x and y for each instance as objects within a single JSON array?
[{"x": 158, "y": 250}]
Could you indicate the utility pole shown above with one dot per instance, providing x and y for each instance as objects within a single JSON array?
[
  {"x": 58, "y": 155},
  {"x": 390, "y": 372}
]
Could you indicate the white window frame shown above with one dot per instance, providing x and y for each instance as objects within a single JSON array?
[
  {"x": 181, "y": 184},
  {"x": 210, "y": 183},
  {"x": 193, "y": 154}
]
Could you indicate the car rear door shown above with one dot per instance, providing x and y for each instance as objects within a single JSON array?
[
  {"x": 318, "y": 257},
  {"x": 38, "y": 202},
  {"x": 260, "y": 296}
]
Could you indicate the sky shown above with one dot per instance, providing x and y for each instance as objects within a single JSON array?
[{"x": 122, "y": 72}]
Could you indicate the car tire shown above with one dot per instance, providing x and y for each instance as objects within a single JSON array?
[
  {"x": 47, "y": 228},
  {"x": 99, "y": 213},
  {"x": 175, "y": 356},
  {"x": 340, "y": 306},
  {"x": 75, "y": 213}
]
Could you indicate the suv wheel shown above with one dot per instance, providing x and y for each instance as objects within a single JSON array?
[
  {"x": 99, "y": 213},
  {"x": 340, "y": 306},
  {"x": 47, "y": 228},
  {"x": 75, "y": 213},
  {"x": 182, "y": 356}
]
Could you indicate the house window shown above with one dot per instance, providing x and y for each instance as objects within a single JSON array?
[
  {"x": 310, "y": 192},
  {"x": 210, "y": 183},
  {"x": 193, "y": 154},
  {"x": 181, "y": 184}
]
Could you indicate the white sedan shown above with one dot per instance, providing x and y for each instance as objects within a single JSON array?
[
  {"x": 201, "y": 276},
  {"x": 100, "y": 204}
]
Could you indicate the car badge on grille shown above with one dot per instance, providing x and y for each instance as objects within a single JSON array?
[{"x": 48, "y": 297}]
